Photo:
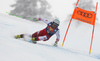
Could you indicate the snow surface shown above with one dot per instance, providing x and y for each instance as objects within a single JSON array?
[{"x": 76, "y": 47}]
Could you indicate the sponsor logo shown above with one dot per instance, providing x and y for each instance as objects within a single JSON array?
[{"x": 85, "y": 14}]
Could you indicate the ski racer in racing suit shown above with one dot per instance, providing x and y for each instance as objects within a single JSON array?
[{"x": 46, "y": 33}]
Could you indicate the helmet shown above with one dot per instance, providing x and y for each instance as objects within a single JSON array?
[{"x": 56, "y": 21}]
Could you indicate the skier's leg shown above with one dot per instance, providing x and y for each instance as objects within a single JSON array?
[
  {"x": 40, "y": 35},
  {"x": 22, "y": 35},
  {"x": 39, "y": 38},
  {"x": 35, "y": 34}
]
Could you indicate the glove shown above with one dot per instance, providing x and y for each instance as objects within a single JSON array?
[
  {"x": 35, "y": 19},
  {"x": 55, "y": 44}
]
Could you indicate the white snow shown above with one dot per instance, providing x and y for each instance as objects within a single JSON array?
[{"x": 76, "y": 46}]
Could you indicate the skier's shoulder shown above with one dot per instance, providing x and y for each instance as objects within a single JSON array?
[
  {"x": 58, "y": 29},
  {"x": 50, "y": 23}
]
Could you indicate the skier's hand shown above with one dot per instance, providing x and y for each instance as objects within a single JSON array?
[
  {"x": 35, "y": 19},
  {"x": 55, "y": 44}
]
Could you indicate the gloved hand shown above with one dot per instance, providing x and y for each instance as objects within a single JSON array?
[
  {"x": 35, "y": 19},
  {"x": 55, "y": 44}
]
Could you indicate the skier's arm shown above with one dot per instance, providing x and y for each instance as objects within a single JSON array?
[
  {"x": 44, "y": 20},
  {"x": 57, "y": 39},
  {"x": 58, "y": 36},
  {"x": 41, "y": 19}
]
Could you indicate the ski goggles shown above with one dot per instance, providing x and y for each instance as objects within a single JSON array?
[{"x": 55, "y": 24}]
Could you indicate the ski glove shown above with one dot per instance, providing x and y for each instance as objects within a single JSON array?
[
  {"x": 55, "y": 44},
  {"x": 35, "y": 19}
]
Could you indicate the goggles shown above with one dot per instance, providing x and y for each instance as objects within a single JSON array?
[{"x": 55, "y": 24}]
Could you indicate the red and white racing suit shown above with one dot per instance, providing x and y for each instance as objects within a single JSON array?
[{"x": 47, "y": 32}]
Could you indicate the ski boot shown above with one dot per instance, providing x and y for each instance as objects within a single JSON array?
[
  {"x": 33, "y": 40},
  {"x": 18, "y": 36}
]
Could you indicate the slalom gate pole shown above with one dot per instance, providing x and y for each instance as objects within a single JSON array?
[
  {"x": 66, "y": 32},
  {"x": 93, "y": 30},
  {"x": 68, "y": 26},
  {"x": 91, "y": 40}
]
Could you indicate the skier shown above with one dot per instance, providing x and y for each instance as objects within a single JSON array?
[{"x": 45, "y": 34}]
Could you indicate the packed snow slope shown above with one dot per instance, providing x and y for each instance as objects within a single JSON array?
[{"x": 76, "y": 46}]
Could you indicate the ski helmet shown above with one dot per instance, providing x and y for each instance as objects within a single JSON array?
[{"x": 56, "y": 21}]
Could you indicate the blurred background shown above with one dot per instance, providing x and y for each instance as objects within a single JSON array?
[{"x": 49, "y": 9}]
